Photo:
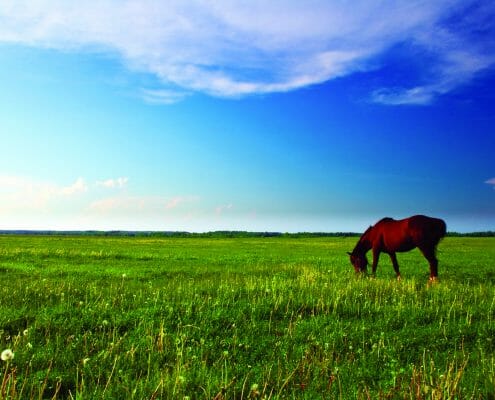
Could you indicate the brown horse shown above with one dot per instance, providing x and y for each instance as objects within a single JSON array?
[{"x": 391, "y": 236}]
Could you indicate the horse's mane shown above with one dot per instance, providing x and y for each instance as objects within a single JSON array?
[
  {"x": 367, "y": 230},
  {"x": 386, "y": 219},
  {"x": 364, "y": 236},
  {"x": 361, "y": 242}
]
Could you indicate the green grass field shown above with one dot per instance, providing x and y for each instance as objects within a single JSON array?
[{"x": 275, "y": 318}]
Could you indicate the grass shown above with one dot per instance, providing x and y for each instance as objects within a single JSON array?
[{"x": 198, "y": 318}]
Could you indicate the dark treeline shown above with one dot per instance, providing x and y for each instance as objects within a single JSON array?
[
  {"x": 213, "y": 234},
  {"x": 179, "y": 234},
  {"x": 472, "y": 234}
]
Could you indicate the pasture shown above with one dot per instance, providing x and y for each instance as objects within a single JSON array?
[{"x": 242, "y": 318}]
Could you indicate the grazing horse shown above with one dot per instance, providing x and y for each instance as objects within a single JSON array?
[{"x": 391, "y": 236}]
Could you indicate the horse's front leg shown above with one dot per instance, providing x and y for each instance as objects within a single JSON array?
[
  {"x": 376, "y": 257},
  {"x": 393, "y": 257}
]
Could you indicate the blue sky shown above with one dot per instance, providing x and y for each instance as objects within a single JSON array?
[{"x": 313, "y": 116}]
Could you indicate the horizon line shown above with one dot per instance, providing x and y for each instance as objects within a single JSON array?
[{"x": 225, "y": 233}]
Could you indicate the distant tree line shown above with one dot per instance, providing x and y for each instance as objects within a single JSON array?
[
  {"x": 180, "y": 234},
  {"x": 472, "y": 234},
  {"x": 213, "y": 234}
]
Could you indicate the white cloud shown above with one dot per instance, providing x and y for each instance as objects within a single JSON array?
[
  {"x": 234, "y": 48},
  {"x": 127, "y": 204},
  {"x": 177, "y": 201},
  {"x": 157, "y": 205},
  {"x": 28, "y": 203},
  {"x": 491, "y": 182},
  {"x": 21, "y": 193},
  {"x": 221, "y": 209},
  {"x": 79, "y": 186},
  {"x": 398, "y": 96},
  {"x": 122, "y": 204},
  {"x": 162, "y": 96},
  {"x": 118, "y": 183},
  {"x": 457, "y": 61}
]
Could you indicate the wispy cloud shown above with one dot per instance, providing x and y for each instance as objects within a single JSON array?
[
  {"x": 457, "y": 53},
  {"x": 117, "y": 183},
  {"x": 234, "y": 48},
  {"x": 162, "y": 96},
  {"x": 79, "y": 186},
  {"x": 491, "y": 182},
  {"x": 125, "y": 204},
  {"x": 398, "y": 96},
  {"x": 158, "y": 205},
  {"x": 177, "y": 201},
  {"x": 31, "y": 203},
  {"x": 219, "y": 210},
  {"x": 21, "y": 193}
]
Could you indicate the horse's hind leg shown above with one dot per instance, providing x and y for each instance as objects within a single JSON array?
[
  {"x": 395, "y": 264},
  {"x": 429, "y": 253}
]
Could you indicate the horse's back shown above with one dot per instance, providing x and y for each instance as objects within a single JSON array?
[{"x": 427, "y": 228}]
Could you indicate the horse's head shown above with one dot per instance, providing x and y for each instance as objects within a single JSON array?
[{"x": 358, "y": 261}]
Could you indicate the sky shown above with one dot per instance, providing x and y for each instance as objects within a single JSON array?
[{"x": 286, "y": 116}]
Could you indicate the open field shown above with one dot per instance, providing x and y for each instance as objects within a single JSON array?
[{"x": 157, "y": 318}]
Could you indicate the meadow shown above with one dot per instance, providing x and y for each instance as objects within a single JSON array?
[{"x": 242, "y": 318}]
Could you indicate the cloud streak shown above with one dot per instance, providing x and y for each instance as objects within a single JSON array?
[
  {"x": 219, "y": 210},
  {"x": 459, "y": 51},
  {"x": 178, "y": 201},
  {"x": 20, "y": 193},
  {"x": 26, "y": 201},
  {"x": 232, "y": 49},
  {"x": 79, "y": 186},
  {"x": 118, "y": 183}
]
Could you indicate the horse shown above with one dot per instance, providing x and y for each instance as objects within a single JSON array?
[{"x": 390, "y": 236}]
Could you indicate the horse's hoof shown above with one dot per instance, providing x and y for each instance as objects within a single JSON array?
[
  {"x": 399, "y": 278},
  {"x": 432, "y": 280}
]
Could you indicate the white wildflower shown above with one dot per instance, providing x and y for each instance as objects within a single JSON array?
[{"x": 7, "y": 355}]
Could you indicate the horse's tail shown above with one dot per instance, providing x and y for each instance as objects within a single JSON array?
[{"x": 441, "y": 229}]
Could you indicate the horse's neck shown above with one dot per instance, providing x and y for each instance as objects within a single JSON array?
[{"x": 364, "y": 243}]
